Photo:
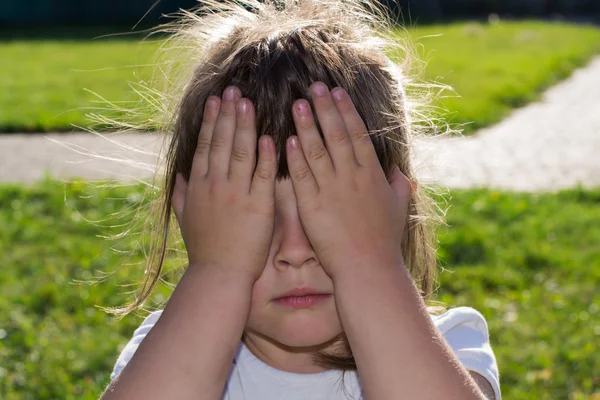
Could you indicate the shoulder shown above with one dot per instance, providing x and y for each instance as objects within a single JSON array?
[
  {"x": 130, "y": 348},
  {"x": 464, "y": 318},
  {"x": 466, "y": 332}
]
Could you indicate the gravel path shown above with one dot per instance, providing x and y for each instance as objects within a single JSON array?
[{"x": 545, "y": 146}]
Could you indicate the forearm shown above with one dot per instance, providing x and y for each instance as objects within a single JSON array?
[
  {"x": 398, "y": 350},
  {"x": 189, "y": 351}
]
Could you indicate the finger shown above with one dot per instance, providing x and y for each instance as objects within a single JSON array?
[
  {"x": 209, "y": 118},
  {"x": 394, "y": 174},
  {"x": 314, "y": 150},
  {"x": 401, "y": 185},
  {"x": 361, "y": 141},
  {"x": 178, "y": 198},
  {"x": 222, "y": 140},
  {"x": 334, "y": 128},
  {"x": 263, "y": 182},
  {"x": 305, "y": 185},
  {"x": 243, "y": 153}
]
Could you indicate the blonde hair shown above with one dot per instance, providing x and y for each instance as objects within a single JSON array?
[{"x": 273, "y": 51}]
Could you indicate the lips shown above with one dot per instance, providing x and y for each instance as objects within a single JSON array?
[
  {"x": 304, "y": 291},
  {"x": 306, "y": 301},
  {"x": 301, "y": 298}
]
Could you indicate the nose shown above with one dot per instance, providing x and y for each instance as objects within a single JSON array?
[{"x": 294, "y": 249}]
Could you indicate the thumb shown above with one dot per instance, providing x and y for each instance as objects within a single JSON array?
[
  {"x": 178, "y": 199},
  {"x": 403, "y": 188}
]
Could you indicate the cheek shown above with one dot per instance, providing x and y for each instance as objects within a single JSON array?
[
  {"x": 262, "y": 293},
  {"x": 263, "y": 290}
]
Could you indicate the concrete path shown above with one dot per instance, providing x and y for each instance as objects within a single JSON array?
[
  {"x": 128, "y": 157},
  {"x": 545, "y": 146}
]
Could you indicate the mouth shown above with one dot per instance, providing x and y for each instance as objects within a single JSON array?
[
  {"x": 302, "y": 298},
  {"x": 302, "y": 291}
]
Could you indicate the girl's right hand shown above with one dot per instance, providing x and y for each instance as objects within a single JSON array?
[{"x": 226, "y": 211}]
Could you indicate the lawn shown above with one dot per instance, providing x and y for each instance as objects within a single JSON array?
[
  {"x": 495, "y": 68},
  {"x": 528, "y": 262},
  {"x": 47, "y": 85}
]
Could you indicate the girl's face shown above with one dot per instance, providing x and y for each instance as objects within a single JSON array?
[{"x": 278, "y": 332}]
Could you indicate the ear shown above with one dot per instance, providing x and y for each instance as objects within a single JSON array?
[
  {"x": 403, "y": 188},
  {"x": 178, "y": 199}
]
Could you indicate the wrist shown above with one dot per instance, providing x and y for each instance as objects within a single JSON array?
[
  {"x": 361, "y": 267},
  {"x": 222, "y": 277}
]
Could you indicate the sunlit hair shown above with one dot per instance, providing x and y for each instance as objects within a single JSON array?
[{"x": 273, "y": 51}]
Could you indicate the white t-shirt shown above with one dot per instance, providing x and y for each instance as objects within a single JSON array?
[{"x": 463, "y": 328}]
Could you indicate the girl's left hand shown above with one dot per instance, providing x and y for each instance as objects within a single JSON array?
[{"x": 352, "y": 215}]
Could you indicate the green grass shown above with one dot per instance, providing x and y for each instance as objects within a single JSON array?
[
  {"x": 494, "y": 68},
  {"x": 49, "y": 85},
  {"x": 528, "y": 262}
]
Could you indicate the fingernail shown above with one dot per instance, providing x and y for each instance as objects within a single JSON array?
[
  {"x": 229, "y": 93},
  {"x": 338, "y": 93},
  {"x": 242, "y": 106},
  {"x": 319, "y": 88},
  {"x": 212, "y": 103},
  {"x": 294, "y": 142},
  {"x": 265, "y": 143},
  {"x": 302, "y": 108}
]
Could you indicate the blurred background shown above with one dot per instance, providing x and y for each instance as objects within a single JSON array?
[
  {"x": 521, "y": 186},
  {"x": 77, "y": 13}
]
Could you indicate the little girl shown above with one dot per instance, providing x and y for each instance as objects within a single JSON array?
[{"x": 311, "y": 255}]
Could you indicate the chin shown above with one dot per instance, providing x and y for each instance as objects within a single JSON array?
[
  {"x": 305, "y": 334},
  {"x": 301, "y": 328},
  {"x": 305, "y": 329}
]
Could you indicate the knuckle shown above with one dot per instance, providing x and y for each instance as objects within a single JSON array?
[
  {"x": 232, "y": 199},
  {"x": 340, "y": 135},
  {"x": 203, "y": 144},
  {"x": 217, "y": 143},
  {"x": 240, "y": 154},
  {"x": 328, "y": 107},
  {"x": 227, "y": 111},
  {"x": 263, "y": 173},
  {"x": 216, "y": 185},
  {"x": 358, "y": 135},
  {"x": 316, "y": 151},
  {"x": 302, "y": 173},
  {"x": 306, "y": 124}
]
